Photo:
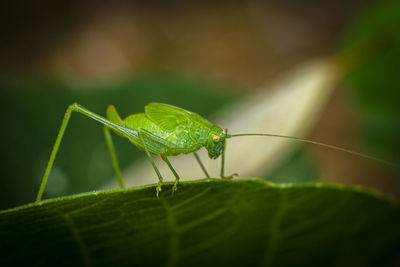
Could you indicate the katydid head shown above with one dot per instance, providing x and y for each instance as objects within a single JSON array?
[{"x": 216, "y": 142}]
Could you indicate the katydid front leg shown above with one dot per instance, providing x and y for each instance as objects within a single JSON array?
[
  {"x": 223, "y": 166},
  {"x": 201, "y": 164}
]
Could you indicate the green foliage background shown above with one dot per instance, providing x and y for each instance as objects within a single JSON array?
[{"x": 374, "y": 86}]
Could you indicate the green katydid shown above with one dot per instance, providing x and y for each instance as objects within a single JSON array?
[{"x": 164, "y": 130}]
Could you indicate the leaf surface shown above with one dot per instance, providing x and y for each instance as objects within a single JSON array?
[{"x": 207, "y": 222}]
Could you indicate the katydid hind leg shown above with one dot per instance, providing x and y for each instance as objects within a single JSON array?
[
  {"x": 113, "y": 116},
  {"x": 80, "y": 109},
  {"x": 113, "y": 156},
  {"x": 54, "y": 151}
]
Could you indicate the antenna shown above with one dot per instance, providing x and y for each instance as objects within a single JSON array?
[{"x": 319, "y": 144}]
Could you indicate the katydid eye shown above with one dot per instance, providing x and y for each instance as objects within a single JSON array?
[{"x": 215, "y": 138}]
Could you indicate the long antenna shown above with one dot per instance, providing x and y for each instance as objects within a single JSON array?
[{"x": 319, "y": 144}]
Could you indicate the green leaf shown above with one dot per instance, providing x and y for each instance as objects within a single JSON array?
[{"x": 207, "y": 222}]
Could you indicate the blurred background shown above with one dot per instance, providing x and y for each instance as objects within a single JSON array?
[{"x": 200, "y": 56}]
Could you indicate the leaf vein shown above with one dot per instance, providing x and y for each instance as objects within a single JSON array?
[
  {"x": 201, "y": 220},
  {"x": 190, "y": 199},
  {"x": 174, "y": 242},
  {"x": 275, "y": 231},
  {"x": 78, "y": 239}
]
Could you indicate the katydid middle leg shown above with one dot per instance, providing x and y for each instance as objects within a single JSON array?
[
  {"x": 160, "y": 178},
  {"x": 175, "y": 187},
  {"x": 162, "y": 145}
]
